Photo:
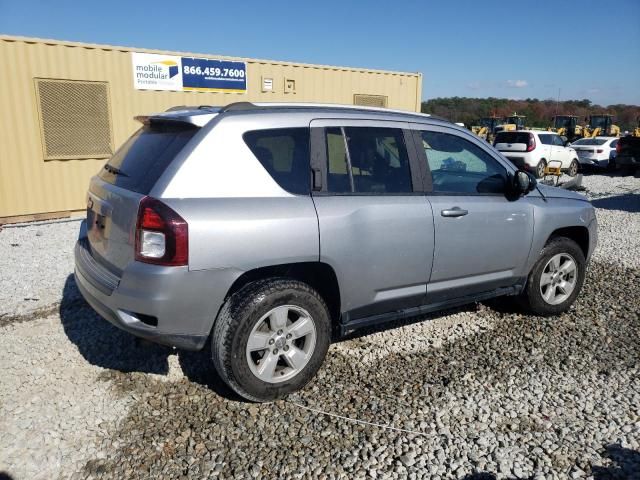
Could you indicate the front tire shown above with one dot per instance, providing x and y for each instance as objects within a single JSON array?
[
  {"x": 573, "y": 168},
  {"x": 270, "y": 338},
  {"x": 556, "y": 279}
]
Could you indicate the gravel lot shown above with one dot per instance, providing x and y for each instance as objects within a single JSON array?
[{"x": 477, "y": 393}]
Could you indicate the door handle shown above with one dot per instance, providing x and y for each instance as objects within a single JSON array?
[{"x": 454, "y": 212}]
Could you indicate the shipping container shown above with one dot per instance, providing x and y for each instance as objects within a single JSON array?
[{"x": 66, "y": 106}]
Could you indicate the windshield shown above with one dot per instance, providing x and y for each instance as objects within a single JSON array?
[
  {"x": 590, "y": 141},
  {"x": 140, "y": 162},
  {"x": 598, "y": 122},
  {"x": 563, "y": 122},
  {"x": 490, "y": 122},
  {"x": 515, "y": 120}
]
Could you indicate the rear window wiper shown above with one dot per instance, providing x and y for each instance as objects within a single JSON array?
[{"x": 114, "y": 170}]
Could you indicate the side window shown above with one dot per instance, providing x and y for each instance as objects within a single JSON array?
[
  {"x": 459, "y": 166},
  {"x": 284, "y": 153},
  {"x": 545, "y": 139},
  {"x": 557, "y": 140},
  {"x": 376, "y": 159}
]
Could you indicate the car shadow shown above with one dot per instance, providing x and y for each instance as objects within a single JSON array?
[
  {"x": 628, "y": 202},
  {"x": 626, "y": 464},
  {"x": 106, "y": 346}
]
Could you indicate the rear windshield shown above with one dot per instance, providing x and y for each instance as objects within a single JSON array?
[
  {"x": 512, "y": 137},
  {"x": 140, "y": 162},
  {"x": 590, "y": 141}
]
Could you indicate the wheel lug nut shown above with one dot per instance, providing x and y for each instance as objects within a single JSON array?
[
  {"x": 288, "y": 336},
  {"x": 272, "y": 341},
  {"x": 275, "y": 351},
  {"x": 279, "y": 332},
  {"x": 286, "y": 347}
]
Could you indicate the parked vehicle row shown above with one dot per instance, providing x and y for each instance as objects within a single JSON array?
[
  {"x": 533, "y": 150},
  {"x": 268, "y": 230}
]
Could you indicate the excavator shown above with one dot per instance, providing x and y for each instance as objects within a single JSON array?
[
  {"x": 567, "y": 125},
  {"x": 487, "y": 126},
  {"x": 601, "y": 125}
]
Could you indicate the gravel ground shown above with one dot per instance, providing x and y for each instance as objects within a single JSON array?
[{"x": 477, "y": 393}]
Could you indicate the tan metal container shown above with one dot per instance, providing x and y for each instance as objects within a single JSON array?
[{"x": 46, "y": 168}]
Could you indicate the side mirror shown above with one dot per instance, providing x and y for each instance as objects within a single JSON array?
[
  {"x": 523, "y": 182},
  {"x": 567, "y": 144}
]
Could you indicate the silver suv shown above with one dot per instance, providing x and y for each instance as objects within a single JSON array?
[{"x": 271, "y": 229}]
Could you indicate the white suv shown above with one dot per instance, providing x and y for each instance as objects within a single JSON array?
[{"x": 532, "y": 150}]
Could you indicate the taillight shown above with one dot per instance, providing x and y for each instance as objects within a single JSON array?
[
  {"x": 162, "y": 236},
  {"x": 532, "y": 143},
  {"x": 599, "y": 150}
]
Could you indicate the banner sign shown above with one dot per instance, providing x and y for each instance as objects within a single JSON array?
[
  {"x": 168, "y": 72},
  {"x": 203, "y": 74}
]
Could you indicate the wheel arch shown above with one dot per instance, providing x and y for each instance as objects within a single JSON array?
[
  {"x": 579, "y": 234},
  {"x": 320, "y": 276}
]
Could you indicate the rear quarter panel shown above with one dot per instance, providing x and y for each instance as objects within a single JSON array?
[{"x": 248, "y": 233}]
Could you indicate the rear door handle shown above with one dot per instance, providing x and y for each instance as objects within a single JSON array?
[{"x": 454, "y": 212}]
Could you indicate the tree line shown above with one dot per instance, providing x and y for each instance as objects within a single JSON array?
[{"x": 538, "y": 112}]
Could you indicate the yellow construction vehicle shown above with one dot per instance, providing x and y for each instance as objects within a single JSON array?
[
  {"x": 487, "y": 126},
  {"x": 515, "y": 122},
  {"x": 567, "y": 125},
  {"x": 636, "y": 132},
  {"x": 601, "y": 125}
]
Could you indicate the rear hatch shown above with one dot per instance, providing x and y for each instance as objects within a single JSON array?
[
  {"x": 115, "y": 193},
  {"x": 512, "y": 141}
]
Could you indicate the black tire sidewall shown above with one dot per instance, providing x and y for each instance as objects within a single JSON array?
[
  {"x": 535, "y": 302},
  {"x": 251, "y": 304}
]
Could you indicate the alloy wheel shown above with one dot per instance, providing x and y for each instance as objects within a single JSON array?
[
  {"x": 281, "y": 344},
  {"x": 559, "y": 278}
]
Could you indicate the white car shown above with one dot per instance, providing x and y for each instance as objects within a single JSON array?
[
  {"x": 533, "y": 150},
  {"x": 598, "y": 151}
]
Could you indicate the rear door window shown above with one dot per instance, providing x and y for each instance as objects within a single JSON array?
[
  {"x": 367, "y": 160},
  {"x": 546, "y": 139},
  {"x": 284, "y": 153},
  {"x": 140, "y": 162}
]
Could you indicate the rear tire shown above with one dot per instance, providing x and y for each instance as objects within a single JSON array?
[
  {"x": 258, "y": 346},
  {"x": 573, "y": 168},
  {"x": 540, "y": 168},
  {"x": 556, "y": 279}
]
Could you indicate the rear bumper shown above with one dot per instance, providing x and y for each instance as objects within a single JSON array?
[{"x": 167, "y": 305}]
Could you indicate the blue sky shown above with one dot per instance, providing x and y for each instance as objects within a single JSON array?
[{"x": 508, "y": 48}]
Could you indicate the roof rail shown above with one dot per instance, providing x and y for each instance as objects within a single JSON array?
[
  {"x": 175, "y": 108},
  {"x": 237, "y": 106},
  {"x": 243, "y": 106}
]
